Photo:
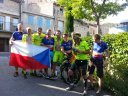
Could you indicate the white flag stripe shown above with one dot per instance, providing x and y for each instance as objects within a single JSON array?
[{"x": 26, "y": 49}]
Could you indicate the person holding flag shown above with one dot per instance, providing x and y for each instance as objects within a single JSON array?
[
  {"x": 27, "y": 38},
  {"x": 48, "y": 41},
  {"x": 29, "y": 56},
  {"x": 17, "y": 35},
  {"x": 36, "y": 40}
]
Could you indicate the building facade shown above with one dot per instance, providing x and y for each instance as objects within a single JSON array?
[
  {"x": 9, "y": 16},
  {"x": 81, "y": 27},
  {"x": 32, "y": 13},
  {"x": 41, "y": 13}
]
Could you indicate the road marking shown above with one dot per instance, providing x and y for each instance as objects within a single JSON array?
[{"x": 58, "y": 88}]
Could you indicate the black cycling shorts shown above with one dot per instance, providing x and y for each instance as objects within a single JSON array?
[
  {"x": 98, "y": 63},
  {"x": 80, "y": 64}
]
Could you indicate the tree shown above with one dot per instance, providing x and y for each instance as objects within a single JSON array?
[
  {"x": 94, "y": 11},
  {"x": 69, "y": 23},
  {"x": 69, "y": 19}
]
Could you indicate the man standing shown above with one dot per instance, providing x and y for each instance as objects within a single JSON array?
[
  {"x": 98, "y": 49},
  {"x": 48, "y": 41},
  {"x": 17, "y": 35},
  {"x": 81, "y": 51},
  {"x": 58, "y": 56},
  {"x": 27, "y": 38},
  {"x": 37, "y": 37},
  {"x": 36, "y": 40}
]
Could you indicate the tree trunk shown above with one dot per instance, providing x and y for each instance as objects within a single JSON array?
[{"x": 98, "y": 26}]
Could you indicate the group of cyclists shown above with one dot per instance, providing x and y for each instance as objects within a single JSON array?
[{"x": 61, "y": 45}]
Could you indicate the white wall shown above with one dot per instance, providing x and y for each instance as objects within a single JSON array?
[
  {"x": 79, "y": 28},
  {"x": 9, "y": 7},
  {"x": 43, "y": 7}
]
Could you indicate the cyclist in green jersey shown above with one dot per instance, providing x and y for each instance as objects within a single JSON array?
[
  {"x": 37, "y": 37},
  {"x": 27, "y": 38},
  {"x": 81, "y": 51},
  {"x": 58, "y": 56},
  {"x": 36, "y": 40}
]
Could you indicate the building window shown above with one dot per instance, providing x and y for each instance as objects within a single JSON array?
[
  {"x": 30, "y": 20},
  {"x": 1, "y": 23},
  {"x": 47, "y": 22},
  {"x": 39, "y": 22},
  {"x": 14, "y": 24},
  {"x": 61, "y": 26},
  {"x": 7, "y": 23}
]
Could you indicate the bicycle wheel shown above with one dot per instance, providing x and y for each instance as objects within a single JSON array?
[
  {"x": 76, "y": 76},
  {"x": 64, "y": 74}
]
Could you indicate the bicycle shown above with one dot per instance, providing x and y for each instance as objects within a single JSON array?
[{"x": 64, "y": 68}]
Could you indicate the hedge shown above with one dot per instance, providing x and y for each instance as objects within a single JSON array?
[{"x": 116, "y": 73}]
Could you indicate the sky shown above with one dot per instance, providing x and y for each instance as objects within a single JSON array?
[{"x": 122, "y": 16}]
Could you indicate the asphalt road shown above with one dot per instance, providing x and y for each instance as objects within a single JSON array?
[{"x": 33, "y": 86}]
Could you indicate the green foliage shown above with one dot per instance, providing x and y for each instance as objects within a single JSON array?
[
  {"x": 69, "y": 18},
  {"x": 84, "y": 9},
  {"x": 68, "y": 24},
  {"x": 90, "y": 9},
  {"x": 88, "y": 39},
  {"x": 116, "y": 74},
  {"x": 67, "y": 4},
  {"x": 118, "y": 67}
]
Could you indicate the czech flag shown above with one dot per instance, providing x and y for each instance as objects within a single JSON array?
[{"x": 28, "y": 56}]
